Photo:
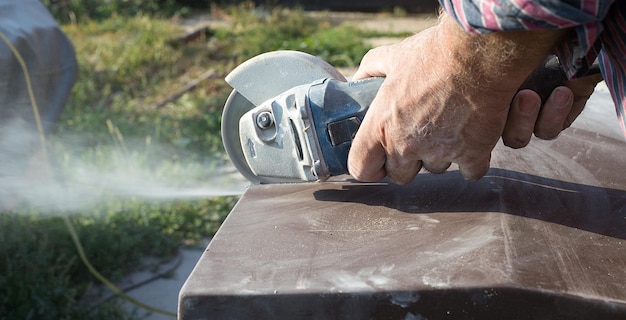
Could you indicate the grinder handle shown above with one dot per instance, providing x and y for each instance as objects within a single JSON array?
[{"x": 544, "y": 80}]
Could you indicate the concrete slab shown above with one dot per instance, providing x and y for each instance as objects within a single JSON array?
[{"x": 543, "y": 234}]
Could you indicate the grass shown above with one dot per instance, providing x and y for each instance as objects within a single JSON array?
[
  {"x": 258, "y": 31},
  {"x": 127, "y": 64}
]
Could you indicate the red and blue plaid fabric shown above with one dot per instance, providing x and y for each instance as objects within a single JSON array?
[{"x": 600, "y": 32}]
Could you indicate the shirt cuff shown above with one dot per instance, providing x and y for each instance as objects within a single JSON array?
[{"x": 577, "y": 53}]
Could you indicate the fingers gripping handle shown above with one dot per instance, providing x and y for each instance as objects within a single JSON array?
[
  {"x": 339, "y": 107},
  {"x": 546, "y": 78}
]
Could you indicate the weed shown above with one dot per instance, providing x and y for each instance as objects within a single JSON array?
[{"x": 40, "y": 275}]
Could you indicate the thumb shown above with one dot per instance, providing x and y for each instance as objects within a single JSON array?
[{"x": 372, "y": 64}]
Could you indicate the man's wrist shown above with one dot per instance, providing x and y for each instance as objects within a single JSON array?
[{"x": 505, "y": 58}]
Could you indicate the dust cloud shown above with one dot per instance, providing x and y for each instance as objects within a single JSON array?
[{"x": 69, "y": 181}]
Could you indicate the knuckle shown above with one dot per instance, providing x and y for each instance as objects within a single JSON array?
[
  {"x": 400, "y": 179},
  {"x": 437, "y": 167},
  {"x": 475, "y": 168},
  {"x": 474, "y": 174}
]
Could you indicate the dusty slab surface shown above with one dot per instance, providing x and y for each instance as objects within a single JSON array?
[{"x": 543, "y": 234}]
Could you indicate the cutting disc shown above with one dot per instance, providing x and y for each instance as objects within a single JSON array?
[
  {"x": 259, "y": 79},
  {"x": 236, "y": 106}
]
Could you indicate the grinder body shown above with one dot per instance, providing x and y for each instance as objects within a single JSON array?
[{"x": 305, "y": 133}]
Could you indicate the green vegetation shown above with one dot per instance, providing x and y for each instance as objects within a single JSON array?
[
  {"x": 257, "y": 31},
  {"x": 78, "y": 11},
  {"x": 129, "y": 63},
  {"x": 43, "y": 278}
]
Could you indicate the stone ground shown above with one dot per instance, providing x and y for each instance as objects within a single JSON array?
[{"x": 163, "y": 292}]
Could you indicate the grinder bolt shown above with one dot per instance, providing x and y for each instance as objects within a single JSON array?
[{"x": 264, "y": 120}]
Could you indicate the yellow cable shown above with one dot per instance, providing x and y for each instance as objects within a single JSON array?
[
  {"x": 66, "y": 219},
  {"x": 104, "y": 280}
]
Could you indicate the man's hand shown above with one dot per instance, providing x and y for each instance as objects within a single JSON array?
[
  {"x": 526, "y": 116},
  {"x": 445, "y": 99}
]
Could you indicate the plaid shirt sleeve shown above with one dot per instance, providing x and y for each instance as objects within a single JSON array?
[{"x": 600, "y": 32}]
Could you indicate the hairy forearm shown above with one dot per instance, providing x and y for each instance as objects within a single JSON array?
[{"x": 502, "y": 58}]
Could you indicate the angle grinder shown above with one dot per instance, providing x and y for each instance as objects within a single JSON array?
[{"x": 292, "y": 116}]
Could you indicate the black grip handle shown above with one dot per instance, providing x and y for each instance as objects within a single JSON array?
[{"x": 545, "y": 79}]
